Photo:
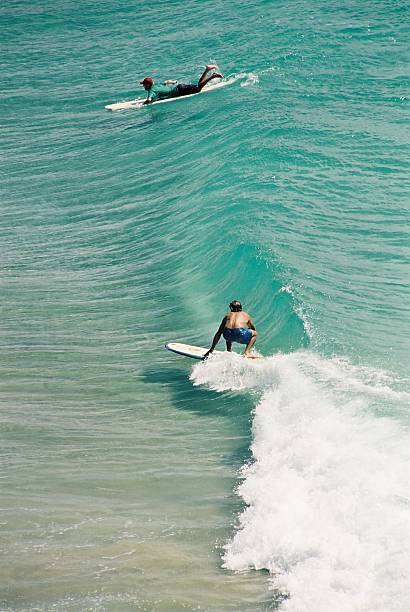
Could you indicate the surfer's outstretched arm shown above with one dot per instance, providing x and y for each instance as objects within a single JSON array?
[{"x": 216, "y": 337}]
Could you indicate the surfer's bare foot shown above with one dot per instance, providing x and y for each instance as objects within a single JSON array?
[
  {"x": 217, "y": 75},
  {"x": 210, "y": 67},
  {"x": 250, "y": 356}
]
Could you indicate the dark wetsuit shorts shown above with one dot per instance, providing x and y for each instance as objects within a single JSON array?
[
  {"x": 237, "y": 334},
  {"x": 187, "y": 90}
]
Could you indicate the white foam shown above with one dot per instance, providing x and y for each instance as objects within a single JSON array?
[
  {"x": 299, "y": 311},
  {"x": 328, "y": 500},
  {"x": 251, "y": 79},
  {"x": 231, "y": 371}
]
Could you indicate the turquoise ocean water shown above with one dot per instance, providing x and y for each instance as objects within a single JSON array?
[{"x": 132, "y": 479}]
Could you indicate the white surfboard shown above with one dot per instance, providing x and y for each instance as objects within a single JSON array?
[
  {"x": 187, "y": 350},
  {"x": 139, "y": 103},
  {"x": 197, "y": 352}
]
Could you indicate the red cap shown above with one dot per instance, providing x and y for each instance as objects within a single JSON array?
[{"x": 147, "y": 81}]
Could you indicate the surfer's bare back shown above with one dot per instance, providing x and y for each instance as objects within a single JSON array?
[{"x": 170, "y": 89}]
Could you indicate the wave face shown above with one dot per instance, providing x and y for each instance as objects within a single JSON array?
[
  {"x": 326, "y": 493},
  {"x": 287, "y": 189}
]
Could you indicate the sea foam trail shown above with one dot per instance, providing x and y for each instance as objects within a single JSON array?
[{"x": 328, "y": 500}]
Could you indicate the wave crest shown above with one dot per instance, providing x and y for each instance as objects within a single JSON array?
[{"x": 327, "y": 493}]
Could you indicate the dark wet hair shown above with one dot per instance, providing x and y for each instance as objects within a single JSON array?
[{"x": 235, "y": 306}]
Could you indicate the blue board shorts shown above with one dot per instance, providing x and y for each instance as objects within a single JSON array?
[{"x": 237, "y": 334}]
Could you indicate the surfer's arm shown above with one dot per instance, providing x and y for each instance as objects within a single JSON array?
[
  {"x": 217, "y": 337},
  {"x": 251, "y": 324},
  {"x": 151, "y": 96}
]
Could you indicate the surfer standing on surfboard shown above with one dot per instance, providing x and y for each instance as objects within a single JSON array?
[
  {"x": 236, "y": 326},
  {"x": 170, "y": 89}
]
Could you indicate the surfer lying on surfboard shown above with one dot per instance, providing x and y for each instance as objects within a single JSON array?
[
  {"x": 236, "y": 326},
  {"x": 170, "y": 89}
]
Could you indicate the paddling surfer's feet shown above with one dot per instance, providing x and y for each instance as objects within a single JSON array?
[
  {"x": 209, "y": 67},
  {"x": 217, "y": 75}
]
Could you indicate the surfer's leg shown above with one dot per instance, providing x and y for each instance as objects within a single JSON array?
[
  {"x": 203, "y": 82},
  {"x": 228, "y": 346},
  {"x": 205, "y": 78},
  {"x": 208, "y": 68},
  {"x": 250, "y": 344}
]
